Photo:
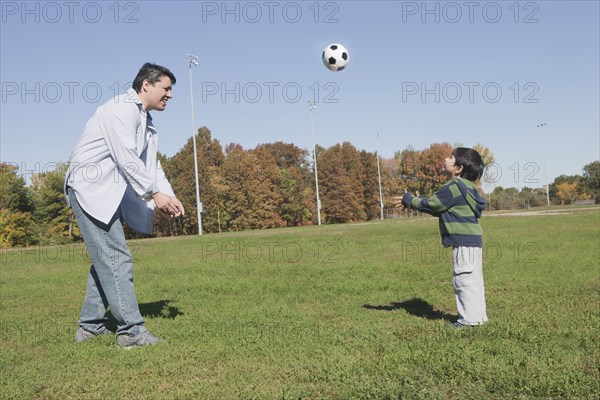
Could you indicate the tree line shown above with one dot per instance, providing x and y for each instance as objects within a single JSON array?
[{"x": 269, "y": 186}]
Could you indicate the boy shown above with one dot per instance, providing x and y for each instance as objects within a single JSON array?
[{"x": 458, "y": 206}]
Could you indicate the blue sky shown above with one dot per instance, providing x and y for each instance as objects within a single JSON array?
[{"x": 420, "y": 72}]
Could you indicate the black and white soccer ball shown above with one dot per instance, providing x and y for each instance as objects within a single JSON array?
[{"x": 335, "y": 57}]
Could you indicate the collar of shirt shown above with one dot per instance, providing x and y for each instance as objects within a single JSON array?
[{"x": 132, "y": 94}]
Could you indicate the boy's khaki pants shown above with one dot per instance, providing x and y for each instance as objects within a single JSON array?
[{"x": 467, "y": 279}]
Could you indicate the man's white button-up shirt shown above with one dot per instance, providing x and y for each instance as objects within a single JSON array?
[{"x": 114, "y": 164}]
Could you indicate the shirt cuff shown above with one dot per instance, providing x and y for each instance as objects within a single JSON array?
[{"x": 148, "y": 195}]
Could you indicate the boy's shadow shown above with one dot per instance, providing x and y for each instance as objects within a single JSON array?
[
  {"x": 156, "y": 309},
  {"x": 415, "y": 306}
]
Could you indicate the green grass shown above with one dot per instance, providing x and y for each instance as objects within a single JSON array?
[{"x": 331, "y": 312}]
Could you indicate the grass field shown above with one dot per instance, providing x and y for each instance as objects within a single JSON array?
[{"x": 332, "y": 312}]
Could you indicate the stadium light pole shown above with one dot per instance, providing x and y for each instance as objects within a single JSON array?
[
  {"x": 193, "y": 60},
  {"x": 541, "y": 126},
  {"x": 312, "y": 105},
  {"x": 379, "y": 177}
]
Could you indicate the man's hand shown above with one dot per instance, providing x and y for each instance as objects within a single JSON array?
[{"x": 168, "y": 204}]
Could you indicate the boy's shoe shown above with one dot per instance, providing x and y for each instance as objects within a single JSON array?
[
  {"x": 141, "y": 339},
  {"x": 458, "y": 325},
  {"x": 83, "y": 336}
]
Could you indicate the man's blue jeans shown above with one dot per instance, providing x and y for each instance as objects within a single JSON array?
[{"x": 110, "y": 280}]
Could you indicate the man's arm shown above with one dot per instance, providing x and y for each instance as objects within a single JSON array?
[
  {"x": 118, "y": 125},
  {"x": 165, "y": 200},
  {"x": 162, "y": 181}
]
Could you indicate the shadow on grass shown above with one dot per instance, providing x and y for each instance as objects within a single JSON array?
[
  {"x": 156, "y": 309},
  {"x": 159, "y": 309},
  {"x": 415, "y": 306}
]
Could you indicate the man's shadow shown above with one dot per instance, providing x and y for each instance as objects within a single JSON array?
[
  {"x": 159, "y": 309},
  {"x": 415, "y": 306},
  {"x": 155, "y": 309}
]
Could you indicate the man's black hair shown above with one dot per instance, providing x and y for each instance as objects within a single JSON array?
[{"x": 151, "y": 73}]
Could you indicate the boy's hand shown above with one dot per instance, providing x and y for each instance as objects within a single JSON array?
[
  {"x": 397, "y": 201},
  {"x": 404, "y": 200},
  {"x": 407, "y": 199}
]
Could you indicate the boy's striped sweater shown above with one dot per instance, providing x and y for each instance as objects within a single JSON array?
[{"x": 458, "y": 206}]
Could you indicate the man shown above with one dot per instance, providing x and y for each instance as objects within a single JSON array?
[{"x": 114, "y": 174}]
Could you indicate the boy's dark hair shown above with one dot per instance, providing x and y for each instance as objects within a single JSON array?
[
  {"x": 471, "y": 162},
  {"x": 152, "y": 73}
]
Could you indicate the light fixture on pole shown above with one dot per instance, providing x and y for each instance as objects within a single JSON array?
[
  {"x": 541, "y": 126},
  {"x": 312, "y": 105},
  {"x": 193, "y": 60},
  {"x": 379, "y": 178}
]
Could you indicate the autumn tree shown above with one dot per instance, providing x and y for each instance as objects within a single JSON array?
[
  {"x": 293, "y": 181},
  {"x": 489, "y": 172},
  {"x": 371, "y": 202},
  {"x": 553, "y": 187},
  {"x": 251, "y": 200},
  {"x": 392, "y": 182},
  {"x": 408, "y": 165},
  {"x": 529, "y": 197},
  {"x": 54, "y": 219},
  {"x": 341, "y": 181},
  {"x": 179, "y": 169},
  {"x": 13, "y": 192},
  {"x": 431, "y": 174},
  {"x": 16, "y": 207},
  {"x": 505, "y": 199},
  {"x": 591, "y": 180},
  {"x": 566, "y": 192},
  {"x": 353, "y": 163},
  {"x": 423, "y": 170}
]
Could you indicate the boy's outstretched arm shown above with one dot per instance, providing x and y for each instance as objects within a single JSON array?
[
  {"x": 417, "y": 203},
  {"x": 434, "y": 205},
  {"x": 409, "y": 201},
  {"x": 405, "y": 200}
]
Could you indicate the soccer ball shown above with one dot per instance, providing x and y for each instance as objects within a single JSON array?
[{"x": 335, "y": 57}]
